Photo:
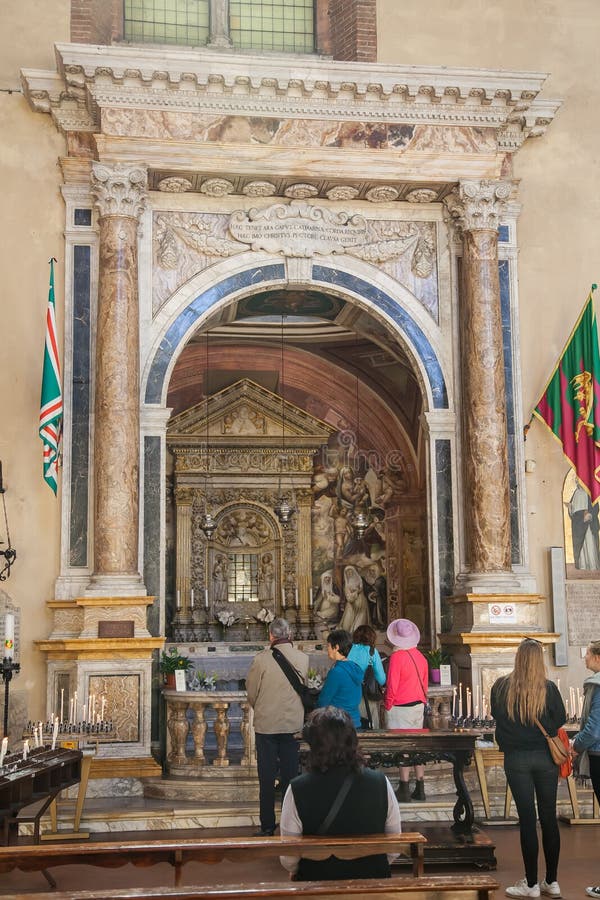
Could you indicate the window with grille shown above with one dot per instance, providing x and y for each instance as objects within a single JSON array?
[
  {"x": 283, "y": 25},
  {"x": 242, "y": 572},
  {"x": 286, "y": 25},
  {"x": 167, "y": 21}
]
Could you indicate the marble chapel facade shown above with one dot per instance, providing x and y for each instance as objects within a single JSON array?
[{"x": 285, "y": 278}]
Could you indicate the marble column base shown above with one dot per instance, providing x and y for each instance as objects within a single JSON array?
[
  {"x": 495, "y": 583},
  {"x": 116, "y": 586},
  {"x": 472, "y": 613}
]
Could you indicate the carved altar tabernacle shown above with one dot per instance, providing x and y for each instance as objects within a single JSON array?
[{"x": 230, "y": 462}]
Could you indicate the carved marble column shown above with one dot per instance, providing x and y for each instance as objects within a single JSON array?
[
  {"x": 183, "y": 542},
  {"x": 304, "y": 500},
  {"x": 120, "y": 193},
  {"x": 476, "y": 207}
]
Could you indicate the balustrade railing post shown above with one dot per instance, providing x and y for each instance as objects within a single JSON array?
[
  {"x": 178, "y": 726},
  {"x": 198, "y": 730},
  {"x": 221, "y": 728}
]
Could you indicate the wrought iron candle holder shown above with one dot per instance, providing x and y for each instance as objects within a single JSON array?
[{"x": 8, "y": 669}]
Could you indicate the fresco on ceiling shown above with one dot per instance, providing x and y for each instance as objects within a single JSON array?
[{"x": 299, "y": 303}]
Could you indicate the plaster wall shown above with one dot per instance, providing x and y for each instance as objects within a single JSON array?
[
  {"x": 558, "y": 229},
  {"x": 31, "y": 232}
]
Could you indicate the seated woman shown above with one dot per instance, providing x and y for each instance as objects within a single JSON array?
[
  {"x": 343, "y": 685},
  {"x": 363, "y": 653},
  {"x": 369, "y": 806}
]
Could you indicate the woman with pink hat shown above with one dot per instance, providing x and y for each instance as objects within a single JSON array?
[{"x": 406, "y": 694}]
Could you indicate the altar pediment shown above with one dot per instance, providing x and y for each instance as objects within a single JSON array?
[{"x": 248, "y": 414}]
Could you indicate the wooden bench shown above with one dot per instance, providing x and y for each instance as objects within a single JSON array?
[
  {"x": 177, "y": 852},
  {"x": 437, "y": 887}
]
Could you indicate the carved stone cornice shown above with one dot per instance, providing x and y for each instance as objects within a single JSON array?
[
  {"x": 478, "y": 205},
  {"x": 119, "y": 190},
  {"x": 91, "y": 78}
]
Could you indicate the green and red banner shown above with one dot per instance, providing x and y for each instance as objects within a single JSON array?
[
  {"x": 570, "y": 405},
  {"x": 51, "y": 408}
]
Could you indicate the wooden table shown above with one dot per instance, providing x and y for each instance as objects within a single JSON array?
[{"x": 400, "y": 747}]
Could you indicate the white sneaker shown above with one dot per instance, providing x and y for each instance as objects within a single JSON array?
[
  {"x": 552, "y": 889},
  {"x": 593, "y": 891},
  {"x": 522, "y": 889}
]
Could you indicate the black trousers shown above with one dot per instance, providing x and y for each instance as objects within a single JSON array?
[
  {"x": 274, "y": 753},
  {"x": 533, "y": 777},
  {"x": 595, "y": 774}
]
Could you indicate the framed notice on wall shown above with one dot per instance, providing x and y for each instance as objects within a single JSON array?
[{"x": 180, "y": 680}]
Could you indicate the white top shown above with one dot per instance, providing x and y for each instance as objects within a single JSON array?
[{"x": 292, "y": 825}]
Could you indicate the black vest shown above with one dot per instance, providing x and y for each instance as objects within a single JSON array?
[{"x": 363, "y": 811}]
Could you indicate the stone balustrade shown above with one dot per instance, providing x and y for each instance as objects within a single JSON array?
[{"x": 187, "y": 725}]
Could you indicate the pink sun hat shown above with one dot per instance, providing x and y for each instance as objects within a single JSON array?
[{"x": 403, "y": 633}]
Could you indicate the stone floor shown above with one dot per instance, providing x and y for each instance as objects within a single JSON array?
[{"x": 579, "y": 866}]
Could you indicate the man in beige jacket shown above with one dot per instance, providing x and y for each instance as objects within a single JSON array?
[{"x": 278, "y": 715}]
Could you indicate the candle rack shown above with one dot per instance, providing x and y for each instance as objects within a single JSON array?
[{"x": 9, "y": 668}]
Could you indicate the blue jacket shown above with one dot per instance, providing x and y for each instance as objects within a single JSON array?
[
  {"x": 343, "y": 688},
  {"x": 589, "y": 736},
  {"x": 361, "y": 655}
]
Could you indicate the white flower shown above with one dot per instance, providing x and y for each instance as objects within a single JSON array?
[
  {"x": 314, "y": 679},
  {"x": 226, "y": 618},
  {"x": 265, "y": 615}
]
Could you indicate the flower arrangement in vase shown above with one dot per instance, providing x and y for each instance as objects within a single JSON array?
[
  {"x": 265, "y": 617},
  {"x": 314, "y": 679},
  {"x": 435, "y": 658},
  {"x": 172, "y": 661},
  {"x": 226, "y": 619}
]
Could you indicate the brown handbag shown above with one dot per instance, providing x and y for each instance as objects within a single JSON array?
[{"x": 559, "y": 753}]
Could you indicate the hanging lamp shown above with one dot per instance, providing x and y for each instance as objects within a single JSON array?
[
  {"x": 361, "y": 518},
  {"x": 207, "y": 523},
  {"x": 283, "y": 509}
]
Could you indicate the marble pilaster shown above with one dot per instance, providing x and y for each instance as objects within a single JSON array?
[
  {"x": 476, "y": 207},
  {"x": 304, "y": 547},
  {"x": 120, "y": 195},
  {"x": 184, "y": 498}
]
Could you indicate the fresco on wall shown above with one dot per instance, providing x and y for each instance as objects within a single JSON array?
[
  {"x": 582, "y": 530},
  {"x": 349, "y": 572}
]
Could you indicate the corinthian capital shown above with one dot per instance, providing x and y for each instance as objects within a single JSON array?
[
  {"x": 120, "y": 190},
  {"x": 478, "y": 205}
]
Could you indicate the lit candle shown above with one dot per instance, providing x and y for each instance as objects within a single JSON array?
[
  {"x": 3, "y": 750},
  {"x": 70, "y": 711},
  {"x": 25, "y": 749},
  {"x": 41, "y": 733},
  {"x": 310, "y": 597},
  {"x": 102, "y": 708},
  {"x": 178, "y": 599},
  {"x": 93, "y": 716},
  {"x": 468, "y": 703},
  {"x": 54, "y": 734},
  {"x": 192, "y": 598},
  {"x": 485, "y": 708},
  {"x": 296, "y": 597},
  {"x": 9, "y": 634},
  {"x": 454, "y": 702},
  {"x": 62, "y": 701},
  {"x": 460, "y": 699},
  {"x": 75, "y": 708},
  {"x": 283, "y": 598},
  {"x": 206, "y": 597}
]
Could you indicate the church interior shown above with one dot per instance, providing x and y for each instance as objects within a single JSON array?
[{"x": 313, "y": 265}]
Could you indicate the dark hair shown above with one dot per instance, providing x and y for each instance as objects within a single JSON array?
[
  {"x": 333, "y": 740},
  {"x": 340, "y": 639},
  {"x": 365, "y": 634}
]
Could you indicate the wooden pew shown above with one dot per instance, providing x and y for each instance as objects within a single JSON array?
[
  {"x": 437, "y": 887},
  {"x": 177, "y": 852}
]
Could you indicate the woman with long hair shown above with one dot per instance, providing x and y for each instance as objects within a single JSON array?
[
  {"x": 362, "y": 800},
  {"x": 517, "y": 700},
  {"x": 586, "y": 745}
]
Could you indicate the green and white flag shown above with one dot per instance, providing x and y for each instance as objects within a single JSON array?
[{"x": 51, "y": 409}]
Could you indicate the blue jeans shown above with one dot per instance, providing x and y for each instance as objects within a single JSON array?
[
  {"x": 273, "y": 752},
  {"x": 532, "y": 776}
]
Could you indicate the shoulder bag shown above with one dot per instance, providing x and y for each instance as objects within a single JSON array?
[
  {"x": 309, "y": 696},
  {"x": 559, "y": 749},
  {"x": 427, "y": 711},
  {"x": 371, "y": 686}
]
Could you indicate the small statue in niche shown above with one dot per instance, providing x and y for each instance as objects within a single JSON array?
[
  {"x": 266, "y": 579},
  {"x": 219, "y": 576}
]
